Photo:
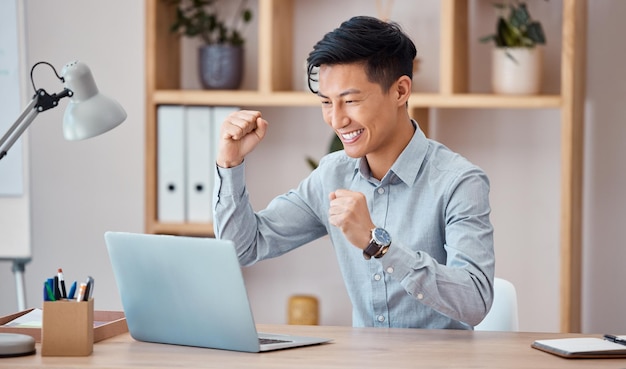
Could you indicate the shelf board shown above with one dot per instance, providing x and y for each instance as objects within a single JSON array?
[
  {"x": 484, "y": 101},
  {"x": 302, "y": 99},
  {"x": 236, "y": 98}
]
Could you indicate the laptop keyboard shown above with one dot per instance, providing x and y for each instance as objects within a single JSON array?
[{"x": 266, "y": 341}]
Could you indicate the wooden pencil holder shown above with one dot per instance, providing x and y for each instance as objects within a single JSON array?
[{"x": 67, "y": 328}]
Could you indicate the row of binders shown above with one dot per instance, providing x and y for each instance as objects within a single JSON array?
[{"x": 187, "y": 138}]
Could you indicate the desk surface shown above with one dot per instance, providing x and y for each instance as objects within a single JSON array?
[{"x": 351, "y": 348}]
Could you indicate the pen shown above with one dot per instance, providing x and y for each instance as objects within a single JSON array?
[
  {"x": 81, "y": 292},
  {"x": 50, "y": 282},
  {"x": 72, "y": 291},
  {"x": 88, "y": 289},
  {"x": 55, "y": 288},
  {"x": 62, "y": 283},
  {"x": 617, "y": 339},
  {"x": 48, "y": 289}
]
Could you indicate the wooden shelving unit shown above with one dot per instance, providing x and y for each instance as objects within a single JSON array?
[{"x": 275, "y": 89}]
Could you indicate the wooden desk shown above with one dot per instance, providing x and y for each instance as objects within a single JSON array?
[{"x": 351, "y": 348}]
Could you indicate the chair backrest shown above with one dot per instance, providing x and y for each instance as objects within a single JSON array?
[{"x": 503, "y": 314}]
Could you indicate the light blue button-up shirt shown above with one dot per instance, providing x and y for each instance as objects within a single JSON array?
[{"x": 438, "y": 272}]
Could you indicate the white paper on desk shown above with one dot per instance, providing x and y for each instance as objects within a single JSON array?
[
  {"x": 582, "y": 347},
  {"x": 200, "y": 158},
  {"x": 31, "y": 319}
]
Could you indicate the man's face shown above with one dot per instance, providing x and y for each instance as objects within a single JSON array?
[{"x": 361, "y": 113}]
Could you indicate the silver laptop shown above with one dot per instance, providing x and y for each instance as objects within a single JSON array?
[{"x": 188, "y": 291}]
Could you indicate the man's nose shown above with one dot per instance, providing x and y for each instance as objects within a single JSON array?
[{"x": 338, "y": 118}]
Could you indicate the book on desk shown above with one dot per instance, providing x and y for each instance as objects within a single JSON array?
[{"x": 610, "y": 346}]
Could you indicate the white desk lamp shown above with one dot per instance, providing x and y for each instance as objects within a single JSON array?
[{"x": 88, "y": 114}]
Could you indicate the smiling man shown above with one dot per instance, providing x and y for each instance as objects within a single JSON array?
[{"x": 408, "y": 218}]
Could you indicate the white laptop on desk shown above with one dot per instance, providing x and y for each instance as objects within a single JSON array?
[{"x": 188, "y": 291}]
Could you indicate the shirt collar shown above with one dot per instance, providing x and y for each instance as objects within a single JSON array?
[{"x": 408, "y": 164}]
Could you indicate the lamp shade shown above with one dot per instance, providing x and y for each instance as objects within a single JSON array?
[{"x": 89, "y": 113}]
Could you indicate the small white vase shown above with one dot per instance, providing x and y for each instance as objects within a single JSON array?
[{"x": 517, "y": 70}]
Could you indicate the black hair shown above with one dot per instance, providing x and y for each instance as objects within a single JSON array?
[{"x": 385, "y": 50}]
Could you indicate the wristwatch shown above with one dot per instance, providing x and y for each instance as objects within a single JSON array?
[{"x": 379, "y": 244}]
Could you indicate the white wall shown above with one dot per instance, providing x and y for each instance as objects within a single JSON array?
[
  {"x": 81, "y": 189},
  {"x": 15, "y": 245},
  {"x": 605, "y": 176}
]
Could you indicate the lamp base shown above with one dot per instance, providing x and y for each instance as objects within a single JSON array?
[{"x": 15, "y": 344}]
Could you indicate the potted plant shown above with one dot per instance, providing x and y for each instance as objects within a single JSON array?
[
  {"x": 220, "y": 58},
  {"x": 517, "y": 58}
]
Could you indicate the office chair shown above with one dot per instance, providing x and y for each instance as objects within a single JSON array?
[{"x": 503, "y": 313}]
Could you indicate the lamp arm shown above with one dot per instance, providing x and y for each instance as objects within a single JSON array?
[
  {"x": 24, "y": 120},
  {"x": 42, "y": 101}
]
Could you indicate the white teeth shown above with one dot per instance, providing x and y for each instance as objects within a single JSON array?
[{"x": 351, "y": 135}]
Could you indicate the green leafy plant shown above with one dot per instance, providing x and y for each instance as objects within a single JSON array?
[
  {"x": 517, "y": 28},
  {"x": 200, "y": 18}
]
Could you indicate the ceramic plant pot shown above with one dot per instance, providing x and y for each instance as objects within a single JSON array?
[
  {"x": 220, "y": 66},
  {"x": 517, "y": 71}
]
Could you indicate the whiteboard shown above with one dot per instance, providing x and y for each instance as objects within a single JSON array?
[
  {"x": 14, "y": 199},
  {"x": 11, "y": 177}
]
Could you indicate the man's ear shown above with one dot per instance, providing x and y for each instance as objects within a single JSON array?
[{"x": 402, "y": 89}]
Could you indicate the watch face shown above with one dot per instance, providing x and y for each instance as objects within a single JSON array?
[{"x": 382, "y": 237}]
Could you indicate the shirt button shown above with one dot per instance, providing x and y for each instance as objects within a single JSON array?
[
  {"x": 381, "y": 318},
  {"x": 381, "y": 191},
  {"x": 377, "y": 277},
  {"x": 390, "y": 270},
  {"x": 420, "y": 296}
]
